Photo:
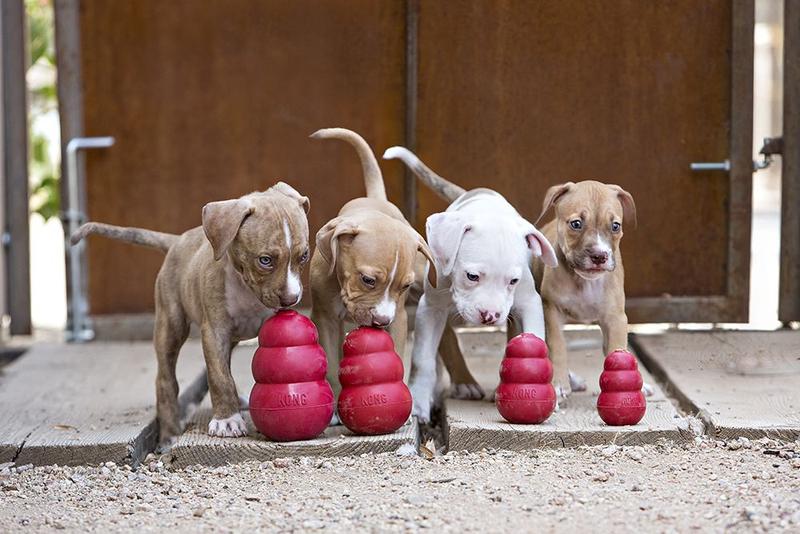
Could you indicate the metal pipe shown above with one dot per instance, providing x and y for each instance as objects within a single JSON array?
[
  {"x": 79, "y": 330},
  {"x": 711, "y": 166}
]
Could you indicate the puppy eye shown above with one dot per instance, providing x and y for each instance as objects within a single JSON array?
[
  {"x": 265, "y": 261},
  {"x": 514, "y": 281},
  {"x": 368, "y": 280},
  {"x": 576, "y": 224},
  {"x": 405, "y": 287},
  {"x": 304, "y": 257},
  {"x": 472, "y": 277},
  {"x": 616, "y": 227}
]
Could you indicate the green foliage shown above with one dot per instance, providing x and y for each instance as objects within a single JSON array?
[{"x": 45, "y": 198}]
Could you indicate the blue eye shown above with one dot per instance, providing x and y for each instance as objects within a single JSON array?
[
  {"x": 576, "y": 224},
  {"x": 265, "y": 261},
  {"x": 472, "y": 277},
  {"x": 616, "y": 227}
]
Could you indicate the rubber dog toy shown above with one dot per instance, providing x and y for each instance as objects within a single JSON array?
[
  {"x": 525, "y": 394},
  {"x": 621, "y": 401},
  {"x": 291, "y": 399},
  {"x": 374, "y": 399}
]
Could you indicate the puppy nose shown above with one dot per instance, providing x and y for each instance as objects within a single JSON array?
[
  {"x": 598, "y": 258},
  {"x": 488, "y": 317},
  {"x": 288, "y": 300},
  {"x": 380, "y": 321}
]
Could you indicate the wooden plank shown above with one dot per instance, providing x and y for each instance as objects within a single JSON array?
[
  {"x": 86, "y": 404},
  {"x": 739, "y": 383},
  {"x": 195, "y": 446},
  {"x": 789, "y": 303},
  {"x": 473, "y": 425},
  {"x": 14, "y": 172}
]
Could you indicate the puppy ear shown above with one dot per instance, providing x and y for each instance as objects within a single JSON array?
[
  {"x": 445, "y": 232},
  {"x": 626, "y": 199},
  {"x": 290, "y": 191},
  {"x": 422, "y": 248},
  {"x": 539, "y": 245},
  {"x": 221, "y": 222},
  {"x": 328, "y": 238},
  {"x": 552, "y": 197}
]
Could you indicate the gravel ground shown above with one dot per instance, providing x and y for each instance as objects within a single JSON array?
[{"x": 739, "y": 486}]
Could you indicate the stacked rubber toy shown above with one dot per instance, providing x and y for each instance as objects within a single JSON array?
[
  {"x": 525, "y": 394},
  {"x": 621, "y": 401},
  {"x": 291, "y": 399}
]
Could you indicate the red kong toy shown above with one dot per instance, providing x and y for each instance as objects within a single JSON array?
[
  {"x": 621, "y": 401},
  {"x": 291, "y": 399},
  {"x": 374, "y": 399},
  {"x": 525, "y": 394}
]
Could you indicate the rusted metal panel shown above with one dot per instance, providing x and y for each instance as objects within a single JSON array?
[
  {"x": 789, "y": 307},
  {"x": 523, "y": 95},
  {"x": 212, "y": 103},
  {"x": 14, "y": 172}
]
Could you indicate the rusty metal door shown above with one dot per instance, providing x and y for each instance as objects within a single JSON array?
[{"x": 523, "y": 95}]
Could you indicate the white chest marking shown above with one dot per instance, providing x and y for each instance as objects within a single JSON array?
[
  {"x": 584, "y": 304},
  {"x": 387, "y": 306}
]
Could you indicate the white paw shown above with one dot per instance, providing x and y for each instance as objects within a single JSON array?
[
  {"x": 648, "y": 389},
  {"x": 335, "y": 421},
  {"x": 493, "y": 395},
  {"x": 423, "y": 401},
  {"x": 562, "y": 392},
  {"x": 232, "y": 427},
  {"x": 244, "y": 402},
  {"x": 576, "y": 382},
  {"x": 466, "y": 391}
]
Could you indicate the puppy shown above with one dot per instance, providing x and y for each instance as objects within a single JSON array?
[
  {"x": 364, "y": 263},
  {"x": 589, "y": 284},
  {"x": 227, "y": 277},
  {"x": 482, "y": 249}
]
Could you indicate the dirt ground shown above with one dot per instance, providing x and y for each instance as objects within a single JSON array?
[{"x": 709, "y": 486}]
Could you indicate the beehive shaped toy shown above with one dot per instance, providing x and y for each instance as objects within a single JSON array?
[
  {"x": 374, "y": 399},
  {"x": 621, "y": 401},
  {"x": 525, "y": 394},
  {"x": 291, "y": 399}
]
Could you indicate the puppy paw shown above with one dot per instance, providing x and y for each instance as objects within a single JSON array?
[
  {"x": 232, "y": 427},
  {"x": 423, "y": 401},
  {"x": 335, "y": 421},
  {"x": 470, "y": 391},
  {"x": 562, "y": 390},
  {"x": 576, "y": 382},
  {"x": 244, "y": 402},
  {"x": 648, "y": 389},
  {"x": 165, "y": 445},
  {"x": 492, "y": 395}
]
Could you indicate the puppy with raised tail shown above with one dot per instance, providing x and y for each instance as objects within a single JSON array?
[
  {"x": 226, "y": 276},
  {"x": 364, "y": 263},
  {"x": 589, "y": 284},
  {"x": 482, "y": 248}
]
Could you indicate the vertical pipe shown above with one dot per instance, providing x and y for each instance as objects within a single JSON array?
[{"x": 412, "y": 54}]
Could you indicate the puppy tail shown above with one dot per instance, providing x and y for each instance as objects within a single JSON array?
[
  {"x": 447, "y": 191},
  {"x": 137, "y": 236},
  {"x": 373, "y": 179}
]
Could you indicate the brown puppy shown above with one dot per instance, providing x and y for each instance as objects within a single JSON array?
[
  {"x": 364, "y": 263},
  {"x": 588, "y": 286},
  {"x": 227, "y": 277}
]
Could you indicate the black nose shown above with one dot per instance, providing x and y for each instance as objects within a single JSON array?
[
  {"x": 287, "y": 302},
  {"x": 380, "y": 322},
  {"x": 599, "y": 259}
]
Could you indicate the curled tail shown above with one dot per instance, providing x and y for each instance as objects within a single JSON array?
[
  {"x": 447, "y": 191},
  {"x": 373, "y": 179},
  {"x": 137, "y": 236}
]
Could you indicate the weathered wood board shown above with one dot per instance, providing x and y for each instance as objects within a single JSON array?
[
  {"x": 739, "y": 383},
  {"x": 195, "y": 446},
  {"x": 87, "y": 403},
  {"x": 474, "y": 425}
]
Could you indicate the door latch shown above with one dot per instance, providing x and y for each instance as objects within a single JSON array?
[{"x": 771, "y": 146}]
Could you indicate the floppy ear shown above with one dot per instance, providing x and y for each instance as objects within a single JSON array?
[
  {"x": 539, "y": 245},
  {"x": 221, "y": 222},
  {"x": 328, "y": 238},
  {"x": 552, "y": 197},
  {"x": 626, "y": 199},
  {"x": 290, "y": 191},
  {"x": 445, "y": 232},
  {"x": 422, "y": 248}
]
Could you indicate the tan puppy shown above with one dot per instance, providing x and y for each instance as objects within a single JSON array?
[
  {"x": 588, "y": 286},
  {"x": 364, "y": 263},
  {"x": 227, "y": 277}
]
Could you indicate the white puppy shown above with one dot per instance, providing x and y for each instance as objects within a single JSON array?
[{"x": 482, "y": 248}]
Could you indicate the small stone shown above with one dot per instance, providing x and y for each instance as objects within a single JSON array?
[
  {"x": 282, "y": 462},
  {"x": 734, "y": 445},
  {"x": 251, "y": 497},
  {"x": 600, "y": 476},
  {"x": 609, "y": 451},
  {"x": 634, "y": 455},
  {"x": 198, "y": 512}
]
